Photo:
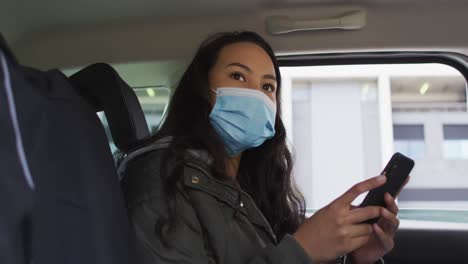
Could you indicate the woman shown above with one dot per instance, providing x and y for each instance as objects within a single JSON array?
[{"x": 220, "y": 187}]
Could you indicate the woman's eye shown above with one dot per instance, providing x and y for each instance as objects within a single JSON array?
[
  {"x": 237, "y": 76},
  {"x": 268, "y": 87}
]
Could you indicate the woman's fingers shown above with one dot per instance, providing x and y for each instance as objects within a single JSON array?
[
  {"x": 403, "y": 186},
  {"x": 391, "y": 204},
  {"x": 360, "y": 230},
  {"x": 356, "y": 243},
  {"x": 348, "y": 197},
  {"x": 390, "y": 222},
  {"x": 360, "y": 215},
  {"x": 385, "y": 239},
  {"x": 339, "y": 226}
]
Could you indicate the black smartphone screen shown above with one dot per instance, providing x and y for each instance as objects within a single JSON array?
[{"x": 397, "y": 170}]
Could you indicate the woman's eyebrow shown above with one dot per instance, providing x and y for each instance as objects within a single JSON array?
[
  {"x": 245, "y": 67},
  {"x": 269, "y": 76}
]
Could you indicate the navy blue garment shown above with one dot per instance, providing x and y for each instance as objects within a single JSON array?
[
  {"x": 15, "y": 193},
  {"x": 78, "y": 213}
]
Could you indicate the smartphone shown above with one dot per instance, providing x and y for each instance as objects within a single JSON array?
[{"x": 396, "y": 171}]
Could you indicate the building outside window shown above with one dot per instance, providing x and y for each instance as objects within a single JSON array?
[
  {"x": 456, "y": 142},
  {"x": 409, "y": 140}
]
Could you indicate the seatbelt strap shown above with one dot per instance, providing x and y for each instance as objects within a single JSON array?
[{"x": 162, "y": 143}]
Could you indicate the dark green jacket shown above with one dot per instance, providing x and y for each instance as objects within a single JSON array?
[{"x": 208, "y": 229}]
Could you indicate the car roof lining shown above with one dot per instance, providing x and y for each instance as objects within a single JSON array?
[{"x": 390, "y": 27}]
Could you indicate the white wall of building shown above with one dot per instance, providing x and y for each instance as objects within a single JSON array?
[
  {"x": 433, "y": 171},
  {"x": 335, "y": 136}
]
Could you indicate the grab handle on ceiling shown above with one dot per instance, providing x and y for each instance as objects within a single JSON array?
[{"x": 348, "y": 21}]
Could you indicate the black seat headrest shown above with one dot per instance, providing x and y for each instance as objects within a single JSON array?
[{"x": 102, "y": 87}]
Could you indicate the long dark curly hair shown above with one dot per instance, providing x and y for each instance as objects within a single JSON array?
[{"x": 265, "y": 172}]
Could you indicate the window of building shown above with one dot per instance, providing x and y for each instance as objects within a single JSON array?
[
  {"x": 456, "y": 142},
  {"x": 409, "y": 140}
]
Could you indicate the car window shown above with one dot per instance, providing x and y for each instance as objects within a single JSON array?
[
  {"x": 152, "y": 83},
  {"x": 154, "y": 101},
  {"x": 344, "y": 123}
]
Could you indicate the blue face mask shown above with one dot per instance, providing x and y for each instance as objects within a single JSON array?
[{"x": 243, "y": 118}]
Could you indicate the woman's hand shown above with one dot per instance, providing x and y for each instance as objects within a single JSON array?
[
  {"x": 381, "y": 241},
  {"x": 336, "y": 229}
]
